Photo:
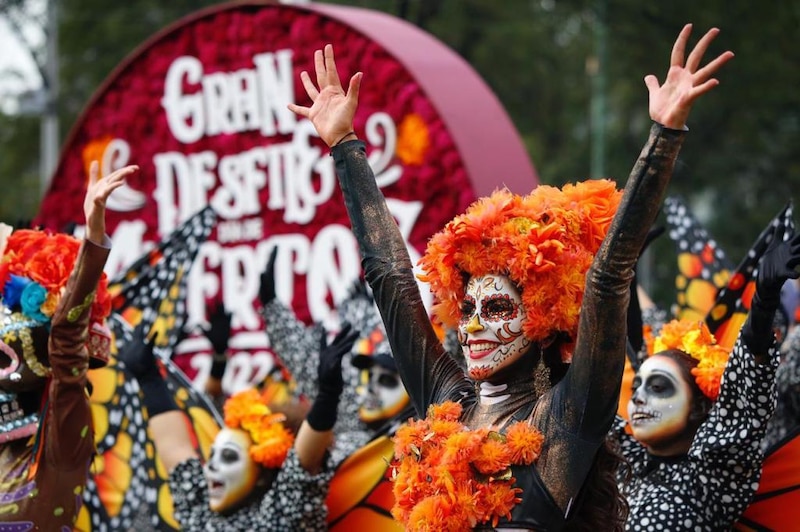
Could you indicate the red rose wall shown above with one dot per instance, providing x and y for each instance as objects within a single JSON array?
[{"x": 202, "y": 108}]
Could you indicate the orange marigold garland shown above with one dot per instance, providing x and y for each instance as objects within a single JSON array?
[
  {"x": 450, "y": 478},
  {"x": 544, "y": 241},
  {"x": 248, "y": 411},
  {"x": 693, "y": 338}
]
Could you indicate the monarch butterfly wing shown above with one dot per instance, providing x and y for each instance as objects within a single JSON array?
[
  {"x": 703, "y": 268},
  {"x": 117, "y": 480},
  {"x": 776, "y": 504},
  {"x": 152, "y": 290},
  {"x": 730, "y": 309},
  {"x": 360, "y": 495}
]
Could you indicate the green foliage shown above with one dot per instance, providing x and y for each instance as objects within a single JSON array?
[{"x": 742, "y": 156}]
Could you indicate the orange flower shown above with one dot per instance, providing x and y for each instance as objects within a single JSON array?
[
  {"x": 493, "y": 456},
  {"x": 524, "y": 443}
]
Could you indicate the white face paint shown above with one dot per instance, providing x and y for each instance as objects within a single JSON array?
[
  {"x": 490, "y": 329},
  {"x": 230, "y": 472},
  {"x": 659, "y": 407},
  {"x": 382, "y": 396}
]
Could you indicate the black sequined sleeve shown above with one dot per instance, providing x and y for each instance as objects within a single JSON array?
[
  {"x": 580, "y": 410},
  {"x": 427, "y": 371}
]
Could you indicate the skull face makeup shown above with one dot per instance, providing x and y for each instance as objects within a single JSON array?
[
  {"x": 659, "y": 407},
  {"x": 230, "y": 472},
  {"x": 490, "y": 328},
  {"x": 383, "y": 396}
]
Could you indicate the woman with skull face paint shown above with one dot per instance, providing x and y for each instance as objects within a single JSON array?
[
  {"x": 258, "y": 475},
  {"x": 698, "y": 416},
  {"x": 510, "y": 273},
  {"x": 54, "y": 304}
]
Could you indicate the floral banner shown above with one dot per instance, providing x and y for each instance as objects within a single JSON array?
[{"x": 202, "y": 108}]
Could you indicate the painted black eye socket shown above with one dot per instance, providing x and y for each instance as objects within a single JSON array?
[
  {"x": 228, "y": 456},
  {"x": 388, "y": 381},
  {"x": 637, "y": 381},
  {"x": 498, "y": 307},
  {"x": 467, "y": 308},
  {"x": 660, "y": 385}
]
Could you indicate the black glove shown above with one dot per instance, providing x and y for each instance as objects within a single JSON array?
[
  {"x": 322, "y": 415},
  {"x": 138, "y": 357},
  {"x": 219, "y": 333},
  {"x": 266, "y": 292},
  {"x": 777, "y": 265}
]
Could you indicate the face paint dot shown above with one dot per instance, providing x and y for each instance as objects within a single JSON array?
[{"x": 58, "y": 511}]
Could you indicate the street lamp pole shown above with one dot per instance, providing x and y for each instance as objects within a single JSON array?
[{"x": 49, "y": 146}]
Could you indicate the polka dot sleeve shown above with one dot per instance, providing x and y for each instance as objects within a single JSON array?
[
  {"x": 190, "y": 495},
  {"x": 726, "y": 449},
  {"x": 297, "y": 499}
]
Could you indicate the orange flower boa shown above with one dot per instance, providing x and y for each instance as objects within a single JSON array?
[{"x": 448, "y": 477}]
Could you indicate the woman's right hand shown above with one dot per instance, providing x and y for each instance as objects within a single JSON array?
[
  {"x": 671, "y": 102},
  {"x": 333, "y": 110}
]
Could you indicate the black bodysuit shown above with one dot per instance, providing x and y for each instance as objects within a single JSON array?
[{"x": 575, "y": 415}]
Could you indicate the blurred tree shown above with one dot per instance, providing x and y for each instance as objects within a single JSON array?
[{"x": 741, "y": 162}]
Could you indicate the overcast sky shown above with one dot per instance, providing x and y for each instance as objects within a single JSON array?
[{"x": 18, "y": 72}]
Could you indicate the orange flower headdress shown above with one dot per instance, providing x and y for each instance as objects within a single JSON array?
[
  {"x": 448, "y": 477},
  {"x": 34, "y": 270},
  {"x": 545, "y": 243},
  {"x": 248, "y": 411},
  {"x": 693, "y": 338}
]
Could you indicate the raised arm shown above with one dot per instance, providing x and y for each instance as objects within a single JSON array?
[
  {"x": 316, "y": 433},
  {"x": 67, "y": 351},
  {"x": 599, "y": 356},
  {"x": 167, "y": 425},
  {"x": 422, "y": 362},
  {"x": 295, "y": 344},
  {"x": 778, "y": 264}
]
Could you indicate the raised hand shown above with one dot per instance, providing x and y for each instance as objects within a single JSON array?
[
  {"x": 329, "y": 371},
  {"x": 778, "y": 264},
  {"x": 137, "y": 355},
  {"x": 97, "y": 192},
  {"x": 266, "y": 290},
  {"x": 671, "y": 101},
  {"x": 333, "y": 110},
  {"x": 219, "y": 330}
]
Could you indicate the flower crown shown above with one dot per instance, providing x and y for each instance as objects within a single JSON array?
[
  {"x": 248, "y": 411},
  {"x": 34, "y": 271},
  {"x": 693, "y": 338},
  {"x": 545, "y": 242},
  {"x": 448, "y": 477}
]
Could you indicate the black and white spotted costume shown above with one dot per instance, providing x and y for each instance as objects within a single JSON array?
[
  {"x": 710, "y": 487},
  {"x": 295, "y": 502},
  {"x": 297, "y": 345}
]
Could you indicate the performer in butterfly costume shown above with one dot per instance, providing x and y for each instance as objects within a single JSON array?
[
  {"x": 258, "y": 476},
  {"x": 493, "y": 291},
  {"x": 54, "y": 305},
  {"x": 367, "y": 408}
]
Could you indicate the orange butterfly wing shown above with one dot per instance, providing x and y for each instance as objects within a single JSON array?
[{"x": 360, "y": 496}]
